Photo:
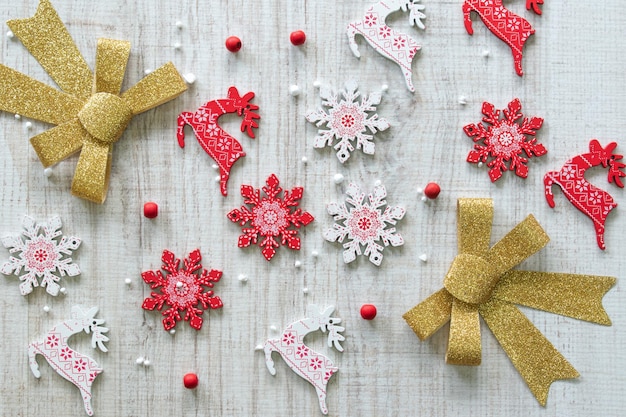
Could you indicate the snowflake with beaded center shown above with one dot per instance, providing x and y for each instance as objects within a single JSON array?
[
  {"x": 270, "y": 217},
  {"x": 347, "y": 120},
  {"x": 364, "y": 224},
  {"x": 505, "y": 140},
  {"x": 182, "y": 289},
  {"x": 41, "y": 255}
]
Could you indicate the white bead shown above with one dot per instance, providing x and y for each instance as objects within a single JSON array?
[
  {"x": 18, "y": 117},
  {"x": 147, "y": 71},
  {"x": 139, "y": 360},
  {"x": 46, "y": 309},
  {"x": 317, "y": 84},
  {"x": 47, "y": 172},
  {"x": 378, "y": 183},
  {"x": 258, "y": 347},
  {"x": 419, "y": 190},
  {"x": 63, "y": 290},
  {"x": 315, "y": 254},
  {"x": 28, "y": 125},
  {"x": 297, "y": 264},
  {"x": 273, "y": 328},
  {"x": 128, "y": 281},
  {"x": 294, "y": 90},
  {"x": 423, "y": 257},
  {"x": 480, "y": 164},
  {"x": 384, "y": 87},
  {"x": 462, "y": 100},
  {"x": 338, "y": 178},
  {"x": 424, "y": 199},
  {"x": 242, "y": 278},
  {"x": 214, "y": 166},
  {"x": 146, "y": 362},
  {"x": 486, "y": 53},
  {"x": 305, "y": 290},
  {"x": 190, "y": 78},
  {"x": 217, "y": 179},
  {"x": 179, "y": 284},
  {"x": 173, "y": 331},
  {"x": 305, "y": 159},
  {"x": 177, "y": 45},
  {"x": 10, "y": 35},
  {"x": 179, "y": 24}
]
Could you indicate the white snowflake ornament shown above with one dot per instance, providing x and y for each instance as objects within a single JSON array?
[
  {"x": 347, "y": 120},
  {"x": 364, "y": 224},
  {"x": 41, "y": 254}
]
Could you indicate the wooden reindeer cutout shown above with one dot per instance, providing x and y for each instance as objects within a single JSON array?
[
  {"x": 77, "y": 368},
  {"x": 396, "y": 46},
  {"x": 506, "y": 25},
  {"x": 215, "y": 141},
  {"x": 310, "y": 365},
  {"x": 591, "y": 200}
]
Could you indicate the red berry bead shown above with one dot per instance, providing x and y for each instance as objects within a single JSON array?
[
  {"x": 368, "y": 311},
  {"x": 432, "y": 190},
  {"x": 233, "y": 44},
  {"x": 190, "y": 380},
  {"x": 150, "y": 210},
  {"x": 297, "y": 38}
]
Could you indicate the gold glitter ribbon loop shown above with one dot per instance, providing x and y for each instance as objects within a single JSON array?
[
  {"x": 480, "y": 282},
  {"x": 90, "y": 113}
]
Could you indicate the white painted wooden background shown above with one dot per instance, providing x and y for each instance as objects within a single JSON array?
[{"x": 574, "y": 79}]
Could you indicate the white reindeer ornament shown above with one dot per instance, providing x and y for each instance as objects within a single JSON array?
[
  {"x": 396, "y": 46},
  {"x": 309, "y": 364},
  {"x": 77, "y": 368}
]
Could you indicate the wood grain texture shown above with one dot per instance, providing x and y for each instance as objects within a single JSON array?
[{"x": 574, "y": 78}]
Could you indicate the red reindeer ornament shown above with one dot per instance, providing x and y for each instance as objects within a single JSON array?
[
  {"x": 215, "y": 141},
  {"x": 586, "y": 197}
]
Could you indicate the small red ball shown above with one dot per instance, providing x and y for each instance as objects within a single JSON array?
[
  {"x": 150, "y": 210},
  {"x": 233, "y": 44},
  {"x": 297, "y": 38},
  {"x": 368, "y": 311},
  {"x": 190, "y": 381},
  {"x": 432, "y": 190}
]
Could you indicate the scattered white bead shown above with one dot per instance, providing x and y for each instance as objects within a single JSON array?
[
  {"x": 258, "y": 347},
  {"x": 462, "y": 100},
  {"x": 242, "y": 278},
  {"x": 305, "y": 159},
  {"x": 46, "y": 309},
  {"x": 47, "y": 172},
  {"x": 305, "y": 290},
  {"x": 190, "y": 78},
  {"x": 146, "y": 362},
  {"x": 217, "y": 179},
  {"x": 139, "y": 360},
  {"x": 63, "y": 290},
  {"x": 486, "y": 53},
  {"x": 423, "y": 257},
  {"x": 147, "y": 71},
  {"x": 179, "y": 284},
  {"x": 294, "y": 90},
  {"x": 315, "y": 254},
  {"x": 177, "y": 45},
  {"x": 179, "y": 24},
  {"x": 480, "y": 164},
  {"x": 273, "y": 328},
  {"x": 10, "y": 35},
  {"x": 297, "y": 264},
  {"x": 419, "y": 190},
  {"x": 317, "y": 84},
  {"x": 384, "y": 87},
  {"x": 338, "y": 178},
  {"x": 128, "y": 281},
  {"x": 28, "y": 125},
  {"x": 378, "y": 183},
  {"x": 424, "y": 199},
  {"x": 18, "y": 117},
  {"x": 173, "y": 331}
]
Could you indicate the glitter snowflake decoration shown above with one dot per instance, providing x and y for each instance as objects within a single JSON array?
[
  {"x": 182, "y": 289},
  {"x": 347, "y": 120},
  {"x": 270, "y": 217},
  {"x": 41, "y": 255},
  {"x": 505, "y": 140},
  {"x": 364, "y": 224}
]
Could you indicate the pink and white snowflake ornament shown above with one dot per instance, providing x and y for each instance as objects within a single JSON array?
[
  {"x": 304, "y": 361},
  {"x": 182, "y": 289},
  {"x": 347, "y": 120},
  {"x": 364, "y": 224},
  {"x": 43, "y": 253},
  {"x": 270, "y": 217},
  {"x": 79, "y": 369},
  {"x": 505, "y": 140}
]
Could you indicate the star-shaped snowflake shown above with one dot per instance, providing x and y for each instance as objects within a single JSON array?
[
  {"x": 364, "y": 224},
  {"x": 505, "y": 140},
  {"x": 41, "y": 254},
  {"x": 270, "y": 217},
  {"x": 182, "y": 289},
  {"x": 347, "y": 120}
]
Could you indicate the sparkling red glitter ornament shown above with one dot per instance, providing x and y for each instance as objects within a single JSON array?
[
  {"x": 297, "y": 38},
  {"x": 190, "y": 380},
  {"x": 368, "y": 311},
  {"x": 150, "y": 210},
  {"x": 233, "y": 44}
]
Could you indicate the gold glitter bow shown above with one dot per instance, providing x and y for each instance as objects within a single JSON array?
[
  {"x": 480, "y": 282},
  {"x": 90, "y": 113}
]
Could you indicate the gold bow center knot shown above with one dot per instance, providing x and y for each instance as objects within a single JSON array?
[
  {"x": 109, "y": 107},
  {"x": 482, "y": 283}
]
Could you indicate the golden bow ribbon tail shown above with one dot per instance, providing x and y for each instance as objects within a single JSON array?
[
  {"x": 90, "y": 113},
  {"x": 480, "y": 282}
]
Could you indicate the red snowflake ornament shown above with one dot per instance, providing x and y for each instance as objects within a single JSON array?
[
  {"x": 182, "y": 289},
  {"x": 270, "y": 217},
  {"x": 505, "y": 140}
]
